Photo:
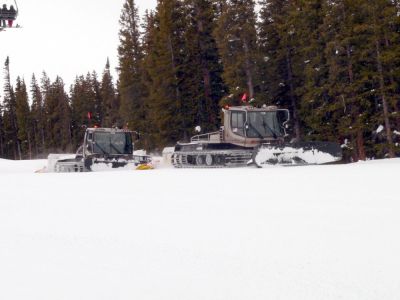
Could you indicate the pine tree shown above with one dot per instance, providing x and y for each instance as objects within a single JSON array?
[
  {"x": 110, "y": 101},
  {"x": 13, "y": 146},
  {"x": 349, "y": 80},
  {"x": 98, "y": 113},
  {"x": 130, "y": 58},
  {"x": 269, "y": 41},
  {"x": 24, "y": 121},
  {"x": 317, "y": 123},
  {"x": 83, "y": 107},
  {"x": 45, "y": 91},
  {"x": 58, "y": 116},
  {"x": 237, "y": 42},
  {"x": 382, "y": 27},
  {"x": 203, "y": 87},
  {"x": 283, "y": 61},
  {"x": 164, "y": 62},
  {"x": 150, "y": 29},
  {"x": 38, "y": 116}
]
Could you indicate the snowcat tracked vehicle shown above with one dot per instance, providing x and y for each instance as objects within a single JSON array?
[
  {"x": 252, "y": 136},
  {"x": 101, "y": 148}
]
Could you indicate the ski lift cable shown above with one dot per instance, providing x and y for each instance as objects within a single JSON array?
[{"x": 16, "y": 6}]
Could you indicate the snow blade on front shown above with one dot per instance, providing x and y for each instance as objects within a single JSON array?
[{"x": 299, "y": 153}]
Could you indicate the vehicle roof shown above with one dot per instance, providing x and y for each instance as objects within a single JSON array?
[
  {"x": 251, "y": 108},
  {"x": 109, "y": 130}
]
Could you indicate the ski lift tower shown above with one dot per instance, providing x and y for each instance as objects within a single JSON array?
[{"x": 8, "y": 15}]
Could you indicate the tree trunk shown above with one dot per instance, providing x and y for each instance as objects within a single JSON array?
[
  {"x": 35, "y": 138},
  {"x": 30, "y": 146},
  {"x": 1, "y": 146},
  {"x": 43, "y": 140},
  {"x": 292, "y": 96},
  {"x": 19, "y": 150},
  {"x": 384, "y": 102},
  {"x": 248, "y": 71},
  {"x": 206, "y": 74},
  {"x": 360, "y": 134},
  {"x": 360, "y": 145}
]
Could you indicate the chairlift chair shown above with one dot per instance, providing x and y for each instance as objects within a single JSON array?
[{"x": 8, "y": 16}]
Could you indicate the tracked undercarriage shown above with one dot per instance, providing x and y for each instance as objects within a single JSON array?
[{"x": 210, "y": 156}]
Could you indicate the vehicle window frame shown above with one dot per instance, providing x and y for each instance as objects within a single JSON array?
[
  {"x": 237, "y": 130},
  {"x": 255, "y": 135}
]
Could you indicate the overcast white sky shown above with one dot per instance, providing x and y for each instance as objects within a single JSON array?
[{"x": 63, "y": 37}]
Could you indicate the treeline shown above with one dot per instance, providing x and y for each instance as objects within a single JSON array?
[
  {"x": 52, "y": 120},
  {"x": 334, "y": 64}
]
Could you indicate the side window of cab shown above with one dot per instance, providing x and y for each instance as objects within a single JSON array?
[
  {"x": 89, "y": 142},
  {"x": 238, "y": 120}
]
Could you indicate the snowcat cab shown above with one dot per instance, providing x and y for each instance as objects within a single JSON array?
[
  {"x": 252, "y": 136},
  {"x": 108, "y": 143},
  {"x": 8, "y": 14},
  {"x": 106, "y": 147},
  {"x": 249, "y": 126}
]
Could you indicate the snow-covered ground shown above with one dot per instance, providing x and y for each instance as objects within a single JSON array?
[{"x": 320, "y": 232}]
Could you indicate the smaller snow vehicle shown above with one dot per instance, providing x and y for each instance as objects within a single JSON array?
[
  {"x": 252, "y": 136},
  {"x": 102, "y": 148}
]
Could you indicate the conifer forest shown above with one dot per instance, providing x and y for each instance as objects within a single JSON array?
[{"x": 335, "y": 64}]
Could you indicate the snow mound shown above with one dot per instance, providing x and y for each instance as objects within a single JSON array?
[{"x": 289, "y": 155}]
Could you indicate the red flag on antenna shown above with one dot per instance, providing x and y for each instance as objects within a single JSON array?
[
  {"x": 89, "y": 115},
  {"x": 244, "y": 97}
]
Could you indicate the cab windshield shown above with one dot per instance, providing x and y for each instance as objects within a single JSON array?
[
  {"x": 112, "y": 143},
  {"x": 263, "y": 124}
]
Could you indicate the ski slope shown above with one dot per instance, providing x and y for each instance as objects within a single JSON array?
[{"x": 318, "y": 232}]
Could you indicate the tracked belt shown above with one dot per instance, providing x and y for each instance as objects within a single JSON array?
[{"x": 211, "y": 159}]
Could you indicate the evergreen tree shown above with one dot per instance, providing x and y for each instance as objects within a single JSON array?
[
  {"x": 98, "y": 113},
  {"x": 13, "y": 146},
  {"x": 316, "y": 122},
  {"x": 58, "y": 116},
  {"x": 110, "y": 102},
  {"x": 130, "y": 58},
  {"x": 83, "y": 107},
  {"x": 168, "y": 112},
  {"x": 23, "y": 115},
  {"x": 203, "y": 87},
  {"x": 148, "y": 132},
  {"x": 39, "y": 118},
  {"x": 237, "y": 41},
  {"x": 382, "y": 25},
  {"x": 283, "y": 61},
  {"x": 348, "y": 83}
]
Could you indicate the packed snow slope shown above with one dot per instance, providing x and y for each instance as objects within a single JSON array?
[{"x": 318, "y": 232}]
